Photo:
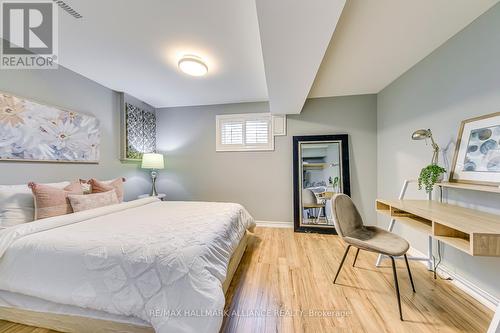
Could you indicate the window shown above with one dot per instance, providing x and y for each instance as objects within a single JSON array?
[
  {"x": 244, "y": 132},
  {"x": 232, "y": 133}
]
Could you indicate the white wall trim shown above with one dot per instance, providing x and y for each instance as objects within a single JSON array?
[
  {"x": 495, "y": 322},
  {"x": 274, "y": 224},
  {"x": 462, "y": 283}
]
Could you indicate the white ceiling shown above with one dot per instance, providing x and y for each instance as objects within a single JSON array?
[
  {"x": 295, "y": 35},
  {"x": 134, "y": 46},
  {"x": 378, "y": 40},
  {"x": 255, "y": 46}
]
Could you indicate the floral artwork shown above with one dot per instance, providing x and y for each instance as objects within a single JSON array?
[{"x": 30, "y": 131}]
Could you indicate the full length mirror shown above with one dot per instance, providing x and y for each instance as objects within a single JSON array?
[{"x": 321, "y": 169}]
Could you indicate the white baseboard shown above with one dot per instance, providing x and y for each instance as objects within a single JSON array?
[
  {"x": 274, "y": 224},
  {"x": 462, "y": 283}
]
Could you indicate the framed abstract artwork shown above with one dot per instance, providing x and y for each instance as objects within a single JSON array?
[
  {"x": 477, "y": 152},
  {"x": 139, "y": 132},
  {"x": 34, "y": 132}
]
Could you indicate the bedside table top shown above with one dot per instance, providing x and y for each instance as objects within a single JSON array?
[{"x": 160, "y": 196}]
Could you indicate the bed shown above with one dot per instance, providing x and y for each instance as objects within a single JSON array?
[{"x": 140, "y": 266}]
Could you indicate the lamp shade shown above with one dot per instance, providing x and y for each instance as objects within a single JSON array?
[
  {"x": 152, "y": 161},
  {"x": 421, "y": 134}
]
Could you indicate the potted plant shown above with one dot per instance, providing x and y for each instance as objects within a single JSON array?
[
  {"x": 335, "y": 184},
  {"x": 429, "y": 176}
]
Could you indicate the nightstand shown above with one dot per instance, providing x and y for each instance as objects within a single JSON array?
[{"x": 161, "y": 196}]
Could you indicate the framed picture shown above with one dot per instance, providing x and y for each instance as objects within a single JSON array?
[
  {"x": 138, "y": 131},
  {"x": 35, "y": 132},
  {"x": 477, "y": 153}
]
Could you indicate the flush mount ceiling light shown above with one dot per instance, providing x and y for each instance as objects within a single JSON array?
[{"x": 193, "y": 65}]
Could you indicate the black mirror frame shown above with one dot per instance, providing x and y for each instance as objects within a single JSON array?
[{"x": 346, "y": 183}]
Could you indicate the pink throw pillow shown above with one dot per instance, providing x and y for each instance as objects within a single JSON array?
[
  {"x": 91, "y": 201},
  {"x": 106, "y": 186},
  {"x": 52, "y": 201}
]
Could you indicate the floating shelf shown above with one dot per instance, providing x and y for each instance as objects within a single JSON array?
[
  {"x": 314, "y": 165},
  {"x": 470, "y": 187}
]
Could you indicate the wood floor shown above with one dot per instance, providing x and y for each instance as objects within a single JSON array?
[
  {"x": 284, "y": 284},
  {"x": 293, "y": 272}
]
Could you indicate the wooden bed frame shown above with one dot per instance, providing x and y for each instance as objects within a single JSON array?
[{"x": 79, "y": 324}]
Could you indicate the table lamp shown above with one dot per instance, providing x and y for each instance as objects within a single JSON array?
[
  {"x": 423, "y": 134},
  {"x": 154, "y": 162}
]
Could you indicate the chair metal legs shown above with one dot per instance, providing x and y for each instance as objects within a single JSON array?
[
  {"x": 342, "y": 262},
  {"x": 355, "y": 257},
  {"x": 394, "y": 272},
  {"x": 396, "y": 284},
  {"x": 409, "y": 274}
]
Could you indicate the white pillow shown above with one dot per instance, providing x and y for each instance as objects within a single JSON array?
[{"x": 17, "y": 205}]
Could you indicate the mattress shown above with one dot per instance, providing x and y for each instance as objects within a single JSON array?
[{"x": 143, "y": 262}]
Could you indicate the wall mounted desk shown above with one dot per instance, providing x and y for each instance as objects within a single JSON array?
[{"x": 471, "y": 231}]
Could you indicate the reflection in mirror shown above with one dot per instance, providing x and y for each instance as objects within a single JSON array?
[
  {"x": 321, "y": 169},
  {"x": 320, "y": 181}
]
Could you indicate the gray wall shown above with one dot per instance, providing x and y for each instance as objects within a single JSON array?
[
  {"x": 262, "y": 181},
  {"x": 71, "y": 91},
  {"x": 460, "y": 80}
]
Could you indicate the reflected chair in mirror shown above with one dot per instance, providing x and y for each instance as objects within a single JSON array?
[
  {"x": 310, "y": 202},
  {"x": 350, "y": 228}
]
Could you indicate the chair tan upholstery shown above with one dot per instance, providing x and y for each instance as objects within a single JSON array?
[
  {"x": 378, "y": 240},
  {"x": 309, "y": 200},
  {"x": 349, "y": 226}
]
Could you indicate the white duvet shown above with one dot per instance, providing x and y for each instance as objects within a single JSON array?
[{"x": 163, "y": 262}]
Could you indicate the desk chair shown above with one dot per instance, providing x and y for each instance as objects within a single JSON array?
[
  {"x": 350, "y": 228},
  {"x": 310, "y": 201}
]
